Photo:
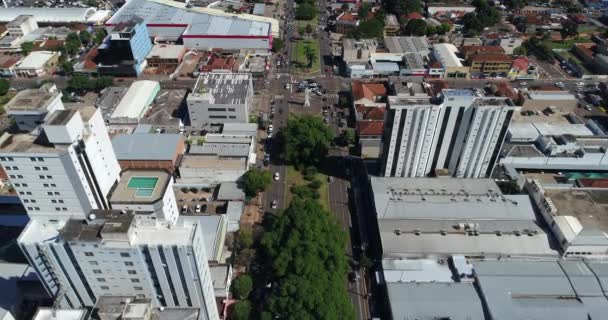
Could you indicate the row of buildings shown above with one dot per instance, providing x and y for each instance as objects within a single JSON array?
[
  {"x": 105, "y": 228},
  {"x": 415, "y": 56}
]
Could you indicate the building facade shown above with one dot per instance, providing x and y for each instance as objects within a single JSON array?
[
  {"x": 125, "y": 50},
  {"x": 220, "y": 98},
  {"x": 463, "y": 134},
  {"x": 22, "y": 25}
]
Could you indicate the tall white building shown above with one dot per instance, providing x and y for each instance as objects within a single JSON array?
[
  {"x": 63, "y": 168},
  {"x": 460, "y": 131},
  {"x": 110, "y": 254}
]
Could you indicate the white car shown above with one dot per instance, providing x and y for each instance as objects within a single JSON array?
[
  {"x": 270, "y": 128},
  {"x": 276, "y": 176},
  {"x": 198, "y": 208},
  {"x": 273, "y": 204}
]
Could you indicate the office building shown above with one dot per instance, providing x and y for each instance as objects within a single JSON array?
[
  {"x": 461, "y": 132},
  {"x": 451, "y": 65},
  {"x": 37, "y": 64},
  {"x": 441, "y": 218},
  {"x": 220, "y": 98},
  {"x": 22, "y": 25},
  {"x": 110, "y": 253},
  {"x": 30, "y": 106},
  {"x": 63, "y": 168},
  {"x": 124, "y": 51}
]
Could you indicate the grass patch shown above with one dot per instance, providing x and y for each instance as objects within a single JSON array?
[
  {"x": 299, "y": 57},
  {"x": 301, "y": 25},
  {"x": 295, "y": 177},
  {"x": 568, "y": 55},
  {"x": 5, "y": 99},
  {"x": 566, "y": 44}
]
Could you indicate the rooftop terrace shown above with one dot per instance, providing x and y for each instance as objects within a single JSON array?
[{"x": 141, "y": 186}]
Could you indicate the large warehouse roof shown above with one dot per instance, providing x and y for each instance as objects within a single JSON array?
[
  {"x": 146, "y": 146},
  {"x": 49, "y": 15},
  {"x": 137, "y": 99},
  {"x": 198, "y": 21}
]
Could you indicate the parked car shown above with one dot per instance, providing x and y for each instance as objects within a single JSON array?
[
  {"x": 276, "y": 176},
  {"x": 273, "y": 204},
  {"x": 198, "y": 208},
  {"x": 184, "y": 208}
]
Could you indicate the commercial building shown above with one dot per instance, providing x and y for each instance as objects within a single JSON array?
[
  {"x": 149, "y": 150},
  {"x": 439, "y": 218},
  {"x": 110, "y": 253},
  {"x": 391, "y": 25},
  {"x": 462, "y": 132},
  {"x": 491, "y": 65},
  {"x": 210, "y": 170},
  {"x": 54, "y": 15},
  {"x": 136, "y": 101},
  {"x": 452, "y": 67},
  {"x": 133, "y": 307},
  {"x": 577, "y": 216},
  {"x": 124, "y": 51},
  {"x": 37, "y": 64},
  {"x": 346, "y": 22},
  {"x": 414, "y": 52},
  {"x": 220, "y": 98},
  {"x": 199, "y": 28},
  {"x": 356, "y": 55},
  {"x": 166, "y": 57},
  {"x": 22, "y": 25},
  {"x": 538, "y": 99}
]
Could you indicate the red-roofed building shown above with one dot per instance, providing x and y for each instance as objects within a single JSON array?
[
  {"x": 414, "y": 15},
  {"x": 370, "y": 113},
  {"x": 469, "y": 51},
  {"x": 368, "y": 93},
  {"x": 7, "y": 65},
  {"x": 87, "y": 65},
  {"x": 219, "y": 64},
  {"x": 600, "y": 183},
  {"x": 490, "y": 64},
  {"x": 346, "y": 22},
  {"x": 370, "y": 138}
]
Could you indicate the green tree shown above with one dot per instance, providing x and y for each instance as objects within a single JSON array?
[
  {"x": 241, "y": 310},
  {"x": 371, "y": 28},
  {"x": 103, "y": 82},
  {"x": 509, "y": 187},
  {"x": 364, "y": 10},
  {"x": 306, "y": 140},
  {"x": 4, "y": 86},
  {"x": 256, "y": 180},
  {"x": 415, "y": 27},
  {"x": 520, "y": 51},
  {"x": 305, "y": 250},
  {"x": 100, "y": 34},
  {"x": 349, "y": 136},
  {"x": 72, "y": 43},
  {"x": 569, "y": 29},
  {"x": 278, "y": 44},
  {"x": 402, "y": 7},
  {"x": 245, "y": 238},
  {"x": 79, "y": 83},
  {"x": 85, "y": 37},
  {"x": 241, "y": 286},
  {"x": 306, "y": 11},
  {"x": 309, "y": 29},
  {"x": 311, "y": 55},
  {"x": 67, "y": 67},
  {"x": 471, "y": 23},
  {"x": 27, "y": 47}
]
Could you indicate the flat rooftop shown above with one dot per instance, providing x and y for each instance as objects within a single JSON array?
[
  {"x": 31, "y": 100},
  {"x": 212, "y": 162},
  {"x": 99, "y": 223},
  {"x": 141, "y": 186},
  {"x": 399, "y": 101},
  {"x": 590, "y": 207},
  {"x": 25, "y": 143},
  {"x": 224, "y": 88},
  {"x": 146, "y": 146}
]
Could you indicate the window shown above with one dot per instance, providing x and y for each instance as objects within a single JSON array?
[
  {"x": 45, "y": 169},
  {"x": 2, "y": 159},
  {"x": 131, "y": 272},
  {"x": 101, "y": 279},
  {"x": 56, "y": 193},
  {"x": 10, "y": 158},
  {"x": 26, "y": 200},
  {"x": 128, "y": 263},
  {"x": 12, "y": 176},
  {"x": 29, "y": 193},
  {"x": 37, "y": 208},
  {"x": 24, "y": 184},
  {"x": 138, "y": 288},
  {"x": 33, "y": 159},
  {"x": 30, "y": 208},
  {"x": 53, "y": 201},
  {"x": 49, "y": 193},
  {"x": 60, "y": 201},
  {"x": 134, "y": 280},
  {"x": 19, "y": 176},
  {"x": 96, "y": 271},
  {"x": 125, "y": 254},
  {"x": 40, "y": 159},
  {"x": 49, "y": 177},
  {"x": 64, "y": 209},
  {"x": 21, "y": 192},
  {"x": 105, "y": 288},
  {"x": 53, "y": 185},
  {"x": 33, "y": 201},
  {"x": 41, "y": 177},
  {"x": 57, "y": 209},
  {"x": 93, "y": 263},
  {"x": 46, "y": 185},
  {"x": 37, "y": 168},
  {"x": 88, "y": 254}
]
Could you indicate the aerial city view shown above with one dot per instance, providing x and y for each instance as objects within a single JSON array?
[{"x": 304, "y": 159}]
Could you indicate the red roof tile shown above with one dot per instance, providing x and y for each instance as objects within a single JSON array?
[
  {"x": 521, "y": 63},
  {"x": 414, "y": 15},
  {"x": 370, "y": 127},
  {"x": 371, "y": 113},
  {"x": 468, "y": 51},
  {"x": 367, "y": 90}
]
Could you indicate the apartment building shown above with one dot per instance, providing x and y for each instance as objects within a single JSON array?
[
  {"x": 461, "y": 132},
  {"x": 110, "y": 254},
  {"x": 63, "y": 168}
]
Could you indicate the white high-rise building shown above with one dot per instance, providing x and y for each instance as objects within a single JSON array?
[
  {"x": 111, "y": 254},
  {"x": 460, "y": 131},
  {"x": 63, "y": 168}
]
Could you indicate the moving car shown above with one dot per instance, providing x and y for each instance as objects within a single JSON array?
[{"x": 276, "y": 176}]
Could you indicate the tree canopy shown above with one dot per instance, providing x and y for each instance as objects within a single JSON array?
[
  {"x": 305, "y": 249},
  {"x": 370, "y": 28},
  {"x": 103, "y": 82},
  {"x": 415, "y": 27},
  {"x": 241, "y": 310},
  {"x": 569, "y": 29},
  {"x": 4, "y": 86},
  {"x": 403, "y": 7},
  {"x": 484, "y": 16},
  {"x": 306, "y": 11},
  {"x": 306, "y": 140},
  {"x": 27, "y": 47},
  {"x": 278, "y": 44},
  {"x": 99, "y": 36},
  {"x": 256, "y": 180},
  {"x": 241, "y": 286}
]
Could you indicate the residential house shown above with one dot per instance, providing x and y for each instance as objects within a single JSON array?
[{"x": 347, "y": 21}]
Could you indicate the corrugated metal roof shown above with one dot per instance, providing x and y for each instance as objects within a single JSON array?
[
  {"x": 55, "y": 15},
  {"x": 136, "y": 100},
  {"x": 146, "y": 146}
]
